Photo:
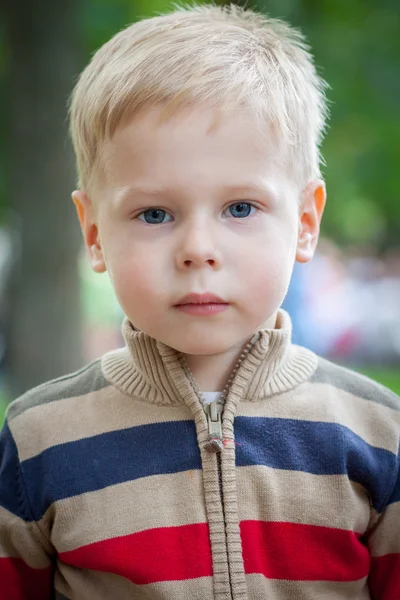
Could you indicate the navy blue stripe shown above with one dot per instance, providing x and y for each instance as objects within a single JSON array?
[
  {"x": 315, "y": 447},
  {"x": 395, "y": 497},
  {"x": 162, "y": 448},
  {"x": 110, "y": 458},
  {"x": 11, "y": 491}
]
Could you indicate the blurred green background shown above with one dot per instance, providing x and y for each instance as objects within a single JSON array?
[{"x": 51, "y": 312}]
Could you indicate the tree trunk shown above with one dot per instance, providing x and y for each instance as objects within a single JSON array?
[{"x": 44, "y": 323}]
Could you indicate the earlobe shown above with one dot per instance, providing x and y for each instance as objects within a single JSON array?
[
  {"x": 310, "y": 214},
  {"x": 90, "y": 231},
  {"x": 96, "y": 258}
]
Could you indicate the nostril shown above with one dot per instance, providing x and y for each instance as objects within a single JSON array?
[{"x": 209, "y": 261}]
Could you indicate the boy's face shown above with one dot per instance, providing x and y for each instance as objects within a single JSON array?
[{"x": 193, "y": 205}]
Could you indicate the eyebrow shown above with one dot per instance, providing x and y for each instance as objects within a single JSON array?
[
  {"x": 232, "y": 189},
  {"x": 251, "y": 188}
]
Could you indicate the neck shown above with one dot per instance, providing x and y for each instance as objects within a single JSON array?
[{"x": 212, "y": 372}]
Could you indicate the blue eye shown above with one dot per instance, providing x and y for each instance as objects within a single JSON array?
[
  {"x": 153, "y": 216},
  {"x": 240, "y": 209}
]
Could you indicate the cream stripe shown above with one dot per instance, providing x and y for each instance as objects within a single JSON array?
[
  {"x": 385, "y": 538},
  {"x": 326, "y": 500},
  {"x": 20, "y": 539},
  {"x": 94, "y": 585},
  {"x": 261, "y": 588},
  {"x": 150, "y": 502},
  {"x": 191, "y": 589},
  {"x": 321, "y": 402},
  {"x": 75, "y": 418}
]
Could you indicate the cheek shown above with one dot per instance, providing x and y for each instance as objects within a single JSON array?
[
  {"x": 268, "y": 270},
  {"x": 135, "y": 275},
  {"x": 267, "y": 278}
]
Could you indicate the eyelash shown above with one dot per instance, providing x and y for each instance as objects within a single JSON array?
[{"x": 164, "y": 211}]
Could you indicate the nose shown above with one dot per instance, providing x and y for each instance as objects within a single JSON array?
[{"x": 197, "y": 247}]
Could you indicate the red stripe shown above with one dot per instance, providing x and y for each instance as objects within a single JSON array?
[
  {"x": 303, "y": 552},
  {"x": 162, "y": 554},
  {"x": 384, "y": 578},
  {"x": 18, "y": 581}
]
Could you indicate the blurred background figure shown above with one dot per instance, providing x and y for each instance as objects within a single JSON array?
[
  {"x": 349, "y": 310},
  {"x": 345, "y": 304}
]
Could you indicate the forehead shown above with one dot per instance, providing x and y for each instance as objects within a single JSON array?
[{"x": 191, "y": 142}]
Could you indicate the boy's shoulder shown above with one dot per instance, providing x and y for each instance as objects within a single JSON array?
[
  {"x": 88, "y": 379},
  {"x": 344, "y": 379}
]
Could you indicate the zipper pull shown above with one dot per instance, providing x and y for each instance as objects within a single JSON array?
[{"x": 213, "y": 412}]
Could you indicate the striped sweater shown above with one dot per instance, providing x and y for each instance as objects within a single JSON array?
[{"x": 109, "y": 490}]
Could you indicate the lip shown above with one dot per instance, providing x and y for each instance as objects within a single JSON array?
[
  {"x": 202, "y": 310},
  {"x": 206, "y": 298}
]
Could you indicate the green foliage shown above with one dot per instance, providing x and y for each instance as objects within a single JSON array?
[
  {"x": 3, "y": 406},
  {"x": 356, "y": 48}
]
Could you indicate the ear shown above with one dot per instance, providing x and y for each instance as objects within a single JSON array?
[
  {"x": 310, "y": 213},
  {"x": 90, "y": 231}
]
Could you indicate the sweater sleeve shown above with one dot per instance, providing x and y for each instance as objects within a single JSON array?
[
  {"x": 384, "y": 546},
  {"x": 25, "y": 558}
]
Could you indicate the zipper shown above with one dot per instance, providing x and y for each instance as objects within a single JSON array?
[
  {"x": 215, "y": 444},
  {"x": 213, "y": 412}
]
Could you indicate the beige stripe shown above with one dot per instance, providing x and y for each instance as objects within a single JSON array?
[
  {"x": 321, "y": 402},
  {"x": 146, "y": 503},
  {"x": 261, "y": 588},
  {"x": 191, "y": 589},
  {"x": 76, "y": 418},
  {"x": 267, "y": 494},
  {"x": 385, "y": 538},
  {"x": 19, "y": 539},
  {"x": 94, "y": 585}
]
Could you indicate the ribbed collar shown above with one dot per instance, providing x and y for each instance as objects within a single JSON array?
[{"x": 152, "y": 371}]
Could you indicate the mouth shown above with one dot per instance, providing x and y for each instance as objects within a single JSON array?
[
  {"x": 201, "y": 305},
  {"x": 196, "y": 299}
]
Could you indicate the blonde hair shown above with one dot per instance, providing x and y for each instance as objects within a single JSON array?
[{"x": 226, "y": 57}]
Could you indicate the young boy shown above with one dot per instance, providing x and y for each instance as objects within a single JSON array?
[{"x": 210, "y": 457}]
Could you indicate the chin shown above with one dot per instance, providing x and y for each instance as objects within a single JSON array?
[{"x": 200, "y": 347}]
